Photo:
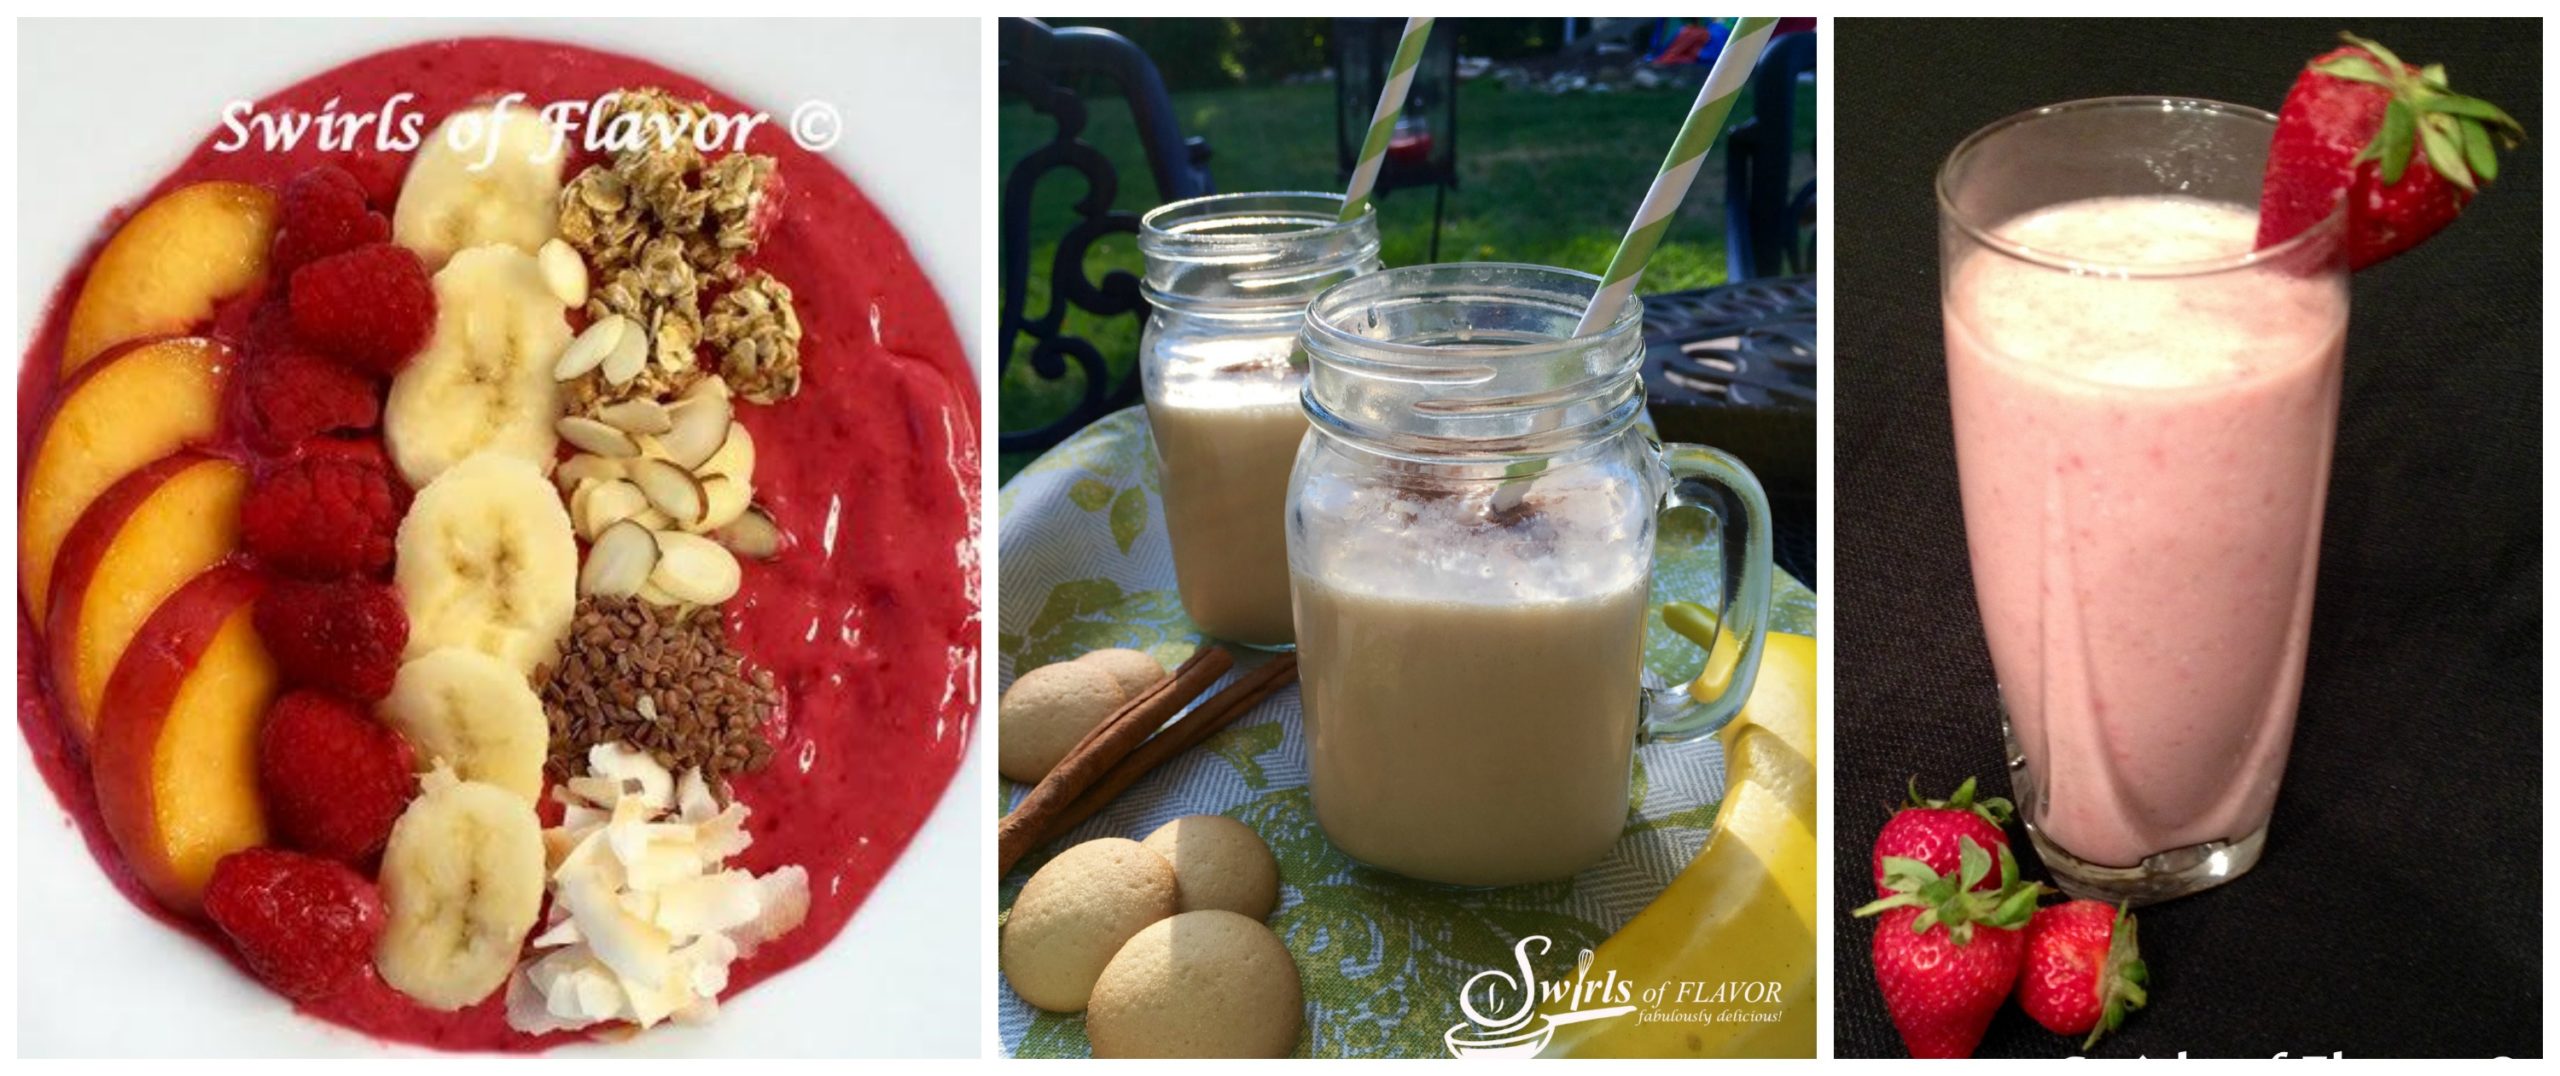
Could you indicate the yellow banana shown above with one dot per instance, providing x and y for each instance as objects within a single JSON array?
[{"x": 1742, "y": 912}]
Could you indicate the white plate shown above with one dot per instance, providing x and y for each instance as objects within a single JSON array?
[{"x": 106, "y": 109}]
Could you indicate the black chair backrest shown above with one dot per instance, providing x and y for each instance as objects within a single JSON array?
[
  {"x": 1042, "y": 67},
  {"x": 1764, "y": 216}
]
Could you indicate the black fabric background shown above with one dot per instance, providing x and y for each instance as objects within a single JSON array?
[{"x": 2398, "y": 909}]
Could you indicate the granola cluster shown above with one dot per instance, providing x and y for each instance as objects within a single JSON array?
[
  {"x": 663, "y": 229},
  {"x": 758, "y": 336}
]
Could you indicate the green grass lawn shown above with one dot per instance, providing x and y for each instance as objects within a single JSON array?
[{"x": 1543, "y": 178}]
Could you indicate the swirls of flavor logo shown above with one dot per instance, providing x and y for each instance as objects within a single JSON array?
[
  {"x": 1504, "y": 1017},
  {"x": 1510, "y": 1025},
  {"x": 395, "y": 125}
]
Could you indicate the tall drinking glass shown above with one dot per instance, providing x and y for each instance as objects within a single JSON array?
[{"x": 2144, "y": 407}]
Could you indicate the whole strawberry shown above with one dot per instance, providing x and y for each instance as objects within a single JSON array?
[
  {"x": 1928, "y": 830},
  {"x": 2402, "y": 149},
  {"x": 304, "y": 925},
  {"x": 2083, "y": 971},
  {"x": 334, "y": 778},
  {"x": 1946, "y": 951}
]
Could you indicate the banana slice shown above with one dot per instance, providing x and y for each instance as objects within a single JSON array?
[
  {"x": 483, "y": 383},
  {"x": 468, "y": 711},
  {"x": 460, "y": 193},
  {"x": 487, "y": 562},
  {"x": 462, "y": 881}
]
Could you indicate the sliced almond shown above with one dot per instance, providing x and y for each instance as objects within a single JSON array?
[
  {"x": 585, "y": 467},
  {"x": 578, "y": 501},
  {"x": 694, "y": 569},
  {"x": 725, "y": 499},
  {"x": 630, "y": 354},
  {"x": 752, "y": 534},
  {"x": 637, "y": 415},
  {"x": 593, "y": 436},
  {"x": 622, "y": 559},
  {"x": 736, "y": 457},
  {"x": 701, "y": 426},
  {"x": 606, "y": 504},
  {"x": 673, "y": 490},
  {"x": 590, "y": 348},
  {"x": 713, "y": 385},
  {"x": 564, "y": 272}
]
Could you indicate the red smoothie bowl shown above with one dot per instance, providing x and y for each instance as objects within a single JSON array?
[{"x": 136, "y": 438}]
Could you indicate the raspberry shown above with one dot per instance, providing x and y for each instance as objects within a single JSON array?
[
  {"x": 335, "y": 778},
  {"x": 304, "y": 925},
  {"x": 295, "y": 395},
  {"x": 370, "y": 307},
  {"x": 344, "y": 635},
  {"x": 322, "y": 516},
  {"x": 270, "y": 327},
  {"x": 379, "y": 172},
  {"x": 324, "y": 213}
]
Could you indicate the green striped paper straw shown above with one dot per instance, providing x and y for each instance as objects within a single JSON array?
[
  {"x": 1706, "y": 120},
  {"x": 1382, "y": 125}
]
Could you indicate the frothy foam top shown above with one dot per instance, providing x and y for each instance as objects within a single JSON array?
[
  {"x": 2143, "y": 332},
  {"x": 1233, "y": 372},
  {"x": 1579, "y": 534}
]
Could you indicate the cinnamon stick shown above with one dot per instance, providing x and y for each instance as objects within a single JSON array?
[
  {"x": 1108, "y": 743},
  {"x": 1195, "y": 728}
]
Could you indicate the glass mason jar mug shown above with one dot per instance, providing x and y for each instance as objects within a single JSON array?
[
  {"x": 2144, "y": 406},
  {"x": 1471, "y": 537},
  {"x": 1230, "y": 276}
]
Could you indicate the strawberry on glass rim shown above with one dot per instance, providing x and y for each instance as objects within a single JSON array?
[{"x": 2404, "y": 151}]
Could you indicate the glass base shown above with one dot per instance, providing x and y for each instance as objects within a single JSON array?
[{"x": 2160, "y": 876}]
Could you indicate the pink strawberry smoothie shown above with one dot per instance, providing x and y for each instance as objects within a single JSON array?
[
  {"x": 868, "y": 618},
  {"x": 2144, "y": 454}
]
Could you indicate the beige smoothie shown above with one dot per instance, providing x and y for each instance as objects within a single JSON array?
[
  {"x": 1226, "y": 429},
  {"x": 2143, "y": 463},
  {"x": 1472, "y": 687}
]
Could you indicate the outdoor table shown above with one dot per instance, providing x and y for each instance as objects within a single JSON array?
[
  {"x": 1732, "y": 366},
  {"x": 1086, "y": 566}
]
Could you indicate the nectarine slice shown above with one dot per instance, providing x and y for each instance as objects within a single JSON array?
[
  {"x": 140, "y": 541},
  {"x": 167, "y": 267},
  {"x": 176, "y": 761},
  {"x": 117, "y": 416}
]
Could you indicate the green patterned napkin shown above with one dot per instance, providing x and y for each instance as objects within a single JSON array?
[{"x": 1086, "y": 566}]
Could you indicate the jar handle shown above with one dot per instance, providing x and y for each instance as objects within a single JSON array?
[{"x": 1703, "y": 477}]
